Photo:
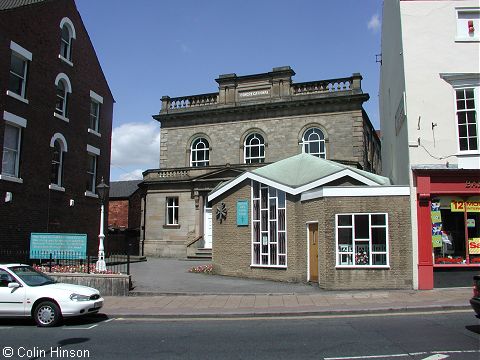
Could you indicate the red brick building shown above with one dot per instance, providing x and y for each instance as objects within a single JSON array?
[
  {"x": 56, "y": 122},
  {"x": 124, "y": 216}
]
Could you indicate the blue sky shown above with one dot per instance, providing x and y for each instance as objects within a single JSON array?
[{"x": 152, "y": 48}]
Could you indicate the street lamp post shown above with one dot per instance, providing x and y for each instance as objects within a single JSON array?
[{"x": 102, "y": 191}]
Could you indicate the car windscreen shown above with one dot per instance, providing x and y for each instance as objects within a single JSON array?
[{"x": 30, "y": 276}]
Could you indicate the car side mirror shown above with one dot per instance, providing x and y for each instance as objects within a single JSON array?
[{"x": 13, "y": 285}]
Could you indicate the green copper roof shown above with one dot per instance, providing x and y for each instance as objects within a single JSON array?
[{"x": 303, "y": 169}]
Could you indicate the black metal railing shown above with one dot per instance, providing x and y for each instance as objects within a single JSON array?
[{"x": 67, "y": 261}]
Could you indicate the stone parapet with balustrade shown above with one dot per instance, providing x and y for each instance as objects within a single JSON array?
[{"x": 274, "y": 86}]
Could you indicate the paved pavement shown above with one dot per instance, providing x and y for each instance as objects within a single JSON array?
[{"x": 165, "y": 288}]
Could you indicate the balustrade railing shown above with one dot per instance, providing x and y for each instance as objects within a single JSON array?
[
  {"x": 347, "y": 84},
  {"x": 184, "y": 102},
  {"x": 322, "y": 86},
  {"x": 172, "y": 173}
]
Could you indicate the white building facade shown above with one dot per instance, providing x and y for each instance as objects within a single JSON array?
[{"x": 429, "y": 105}]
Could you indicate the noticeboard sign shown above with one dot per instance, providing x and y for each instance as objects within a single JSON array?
[
  {"x": 60, "y": 246},
  {"x": 242, "y": 212}
]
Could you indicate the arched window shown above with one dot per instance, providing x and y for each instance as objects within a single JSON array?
[
  {"x": 59, "y": 147},
  {"x": 254, "y": 149},
  {"x": 313, "y": 143},
  {"x": 63, "y": 87},
  {"x": 66, "y": 40},
  {"x": 199, "y": 152}
]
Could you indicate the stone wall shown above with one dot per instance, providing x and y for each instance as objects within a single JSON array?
[
  {"x": 343, "y": 132},
  {"x": 169, "y": 240},
  {"x": 106, "y": 284}
]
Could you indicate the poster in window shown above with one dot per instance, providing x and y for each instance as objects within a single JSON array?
[
  {"x": 474, "y": 246},
  {"x": 436, "y": 217}
]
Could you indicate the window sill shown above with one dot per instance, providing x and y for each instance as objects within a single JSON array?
[
  {"x": 455, "y": 265},
  {"x": 468, "y": 153},
  {"x": 91, "y": 131},
  {"x": 16, "y": 96},
  {"x": 55, "y": 187},
  {"x": 467, "y": 40},
  {"x": 11, "y": 178},
  {"x": 91, "y": 194},
  {"x": 361, "y": 267},
  {"x": 65, "y": 60},
  {"x": 166, "y": 226},
  {"x": 61, "y": 117},
  {"x": 269, "y": 266}
]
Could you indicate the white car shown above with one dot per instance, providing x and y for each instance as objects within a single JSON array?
[{"x": 26, "y": 292}]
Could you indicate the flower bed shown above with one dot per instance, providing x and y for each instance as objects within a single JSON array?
[
  {"x": 83, "y": 269},
  {"x": 203, "y": 269}
]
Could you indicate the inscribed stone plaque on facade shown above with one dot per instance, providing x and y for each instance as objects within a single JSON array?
[{"x": 242, "y": 212}]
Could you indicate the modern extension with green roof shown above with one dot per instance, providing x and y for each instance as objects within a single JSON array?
[{"x": 307, "y": 219}]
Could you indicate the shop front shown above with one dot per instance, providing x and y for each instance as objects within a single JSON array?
[{"x": 448, "y": 215}]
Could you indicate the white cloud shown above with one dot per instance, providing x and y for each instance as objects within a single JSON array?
[
  {"x": 133, "y": 175},
  {"x": 374, "y": 23},
  {"x": 136, "y": 145}
]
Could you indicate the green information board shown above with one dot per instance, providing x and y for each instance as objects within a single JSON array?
[{"x": 60, "y": 246}]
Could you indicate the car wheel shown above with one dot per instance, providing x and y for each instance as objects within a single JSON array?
[{"x": 47, "y": 314}]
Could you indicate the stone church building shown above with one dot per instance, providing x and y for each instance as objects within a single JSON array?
[{"x": 253, "y": 120}]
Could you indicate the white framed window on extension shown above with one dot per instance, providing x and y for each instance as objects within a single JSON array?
[
  {"x": 362, "y": 240},
  {"x": 19, "y": 63},
  {"x": 269, "y": 232}
]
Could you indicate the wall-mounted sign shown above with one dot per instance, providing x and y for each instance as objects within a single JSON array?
[
  {"x": 470, "y": 223},
  {"x": 253, "y": 93},
  {"x": 242, "y": 212},
  {"x": 461, "y": 206},
  {"x": 60, "y": 246}
]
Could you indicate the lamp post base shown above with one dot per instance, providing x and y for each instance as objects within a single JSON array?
[{"x": 100, "y": 265}]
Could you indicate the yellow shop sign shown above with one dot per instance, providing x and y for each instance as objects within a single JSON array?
[
  {"x": 474, "y": 246},
  {"x": 460, "y": 206}
]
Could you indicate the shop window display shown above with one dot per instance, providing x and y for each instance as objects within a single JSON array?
[{"x": 456, "y": 230}]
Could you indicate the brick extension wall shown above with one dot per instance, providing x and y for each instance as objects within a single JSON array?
[{"x": 232, "y": 243}]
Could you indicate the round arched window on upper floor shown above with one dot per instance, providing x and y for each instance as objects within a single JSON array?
[
  {"x": 254, "y": 149},
  {"x": 313, "y": 142},
  {"x": 199, "y": 152}
]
